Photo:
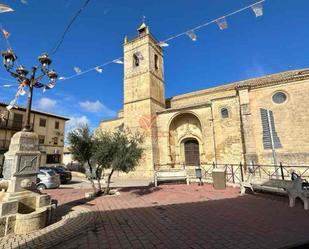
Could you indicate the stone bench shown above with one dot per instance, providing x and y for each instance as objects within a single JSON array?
[
  {"x": 293, "y": 189},
  {"x": 170, "y": 175}
]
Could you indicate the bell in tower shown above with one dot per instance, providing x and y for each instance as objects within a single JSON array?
[{"x": 143, "y": 30}]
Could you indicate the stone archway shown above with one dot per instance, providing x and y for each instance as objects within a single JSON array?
[{"x": 183, "y": 127}]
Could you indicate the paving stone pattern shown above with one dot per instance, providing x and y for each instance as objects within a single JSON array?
[{"x": 171, "y": 216}]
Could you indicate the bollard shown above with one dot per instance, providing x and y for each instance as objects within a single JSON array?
[
  {"x": 281, "y": 168},
  {"x": 241, "y": 172}
]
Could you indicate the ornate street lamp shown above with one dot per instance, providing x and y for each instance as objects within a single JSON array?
[{"x": 32, "y": 81}]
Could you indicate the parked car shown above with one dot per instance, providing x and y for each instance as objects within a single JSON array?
[
  {"x": 47, "y": 178},
  {"x": 65, "y": 175}
]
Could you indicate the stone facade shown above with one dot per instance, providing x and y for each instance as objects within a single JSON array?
[
  {"x": 221, "y": 124},
  {"x": 49, "y": 127}
]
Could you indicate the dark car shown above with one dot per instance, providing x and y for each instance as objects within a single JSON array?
[{"x": 65, "y": 175}]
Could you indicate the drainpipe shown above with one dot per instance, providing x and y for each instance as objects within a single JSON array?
[{"x": 213, "y": 131}]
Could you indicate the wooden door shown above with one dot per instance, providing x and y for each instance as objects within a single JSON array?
[{"x": 192, "y": 152}]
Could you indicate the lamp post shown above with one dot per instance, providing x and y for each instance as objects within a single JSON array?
[{"x": 21, "y": 73}]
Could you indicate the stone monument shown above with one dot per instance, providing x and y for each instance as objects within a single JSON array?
[{"x": 22, "y": 208}]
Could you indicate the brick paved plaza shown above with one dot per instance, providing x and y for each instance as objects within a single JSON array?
[{"x": 171, "y": 216}]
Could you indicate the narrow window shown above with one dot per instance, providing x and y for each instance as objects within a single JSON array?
[
  {"x": 41, "y": 139},
  {"x": 156, "y": 62},
  {"x": 42, "y": 122},
  {"x": 135, "y": 60},
  {"x": 224, "y": 113},
  {"x": 17, "y": 121},
  {"x": 55, "y": 140},
  {"x": 57, "y": 125}
]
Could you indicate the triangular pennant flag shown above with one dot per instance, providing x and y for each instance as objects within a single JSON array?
[
  {"x": 257, "y": 9},
  {"x": 222, "y": 23},
  {"x": 9, "y": 107},
  {"x": 51, "y": 85},
  {"x": 77, "y": 70},
  {"x": 163, "y": 44},
  {"x": 5, "y": 8},
  {"x": 5, "y": 33},
  {"x": 118, "y": 61},
  {"x": 99, "y": 70},
  {"x": 12, "y": 104},
  {"x": 192, "y": 35},
  {"x": 21, "y": 91}
]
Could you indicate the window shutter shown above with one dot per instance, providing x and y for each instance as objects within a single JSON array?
[{"x": 266, "y": 130}]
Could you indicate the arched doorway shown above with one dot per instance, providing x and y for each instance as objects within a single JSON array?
[
  {"x": 192, "y": 152},
  {"x": 185, "y": 127}
]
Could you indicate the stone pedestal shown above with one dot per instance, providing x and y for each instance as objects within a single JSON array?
[
  {"x": 22, "y": 208},
  {"x": 22, "y": 162}
]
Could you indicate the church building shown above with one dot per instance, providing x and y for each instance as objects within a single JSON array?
[{"x": 262, "y": 120}]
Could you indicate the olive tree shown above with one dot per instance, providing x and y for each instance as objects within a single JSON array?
[
  {"x": 81, "y": 147},
  {"x": 117, "y": 151}
]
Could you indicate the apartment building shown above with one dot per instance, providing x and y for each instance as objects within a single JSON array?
[{"x": 49, "y": 127}]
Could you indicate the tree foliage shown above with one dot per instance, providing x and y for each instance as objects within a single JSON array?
[{"x": 118, "y": 151}]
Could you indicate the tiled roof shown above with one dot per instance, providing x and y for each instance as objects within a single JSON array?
[
  {"x": 38, "y": 112},
  {"x": 268, "y": 80}
]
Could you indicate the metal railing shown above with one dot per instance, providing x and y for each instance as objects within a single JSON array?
[
  {"x": 236, "y": 173},
  {"x": 12, "y": 124}
]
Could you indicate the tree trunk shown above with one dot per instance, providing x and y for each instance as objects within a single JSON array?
[
  {"x": 91, "y": 180},
  {"x": 99, "y": 186},
  {"x": 107, "y": 189}
]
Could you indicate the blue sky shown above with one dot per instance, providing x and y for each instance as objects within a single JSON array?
[{"x": 250, "y": 47}]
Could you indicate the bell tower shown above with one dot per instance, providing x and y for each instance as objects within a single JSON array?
[{"x": 143, "y": 88}]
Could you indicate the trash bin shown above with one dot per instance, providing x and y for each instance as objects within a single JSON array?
[
  {"x": 198, "y": 174},
  {"x": 219, "y": 178}
]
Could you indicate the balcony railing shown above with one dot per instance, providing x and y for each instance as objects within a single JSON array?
[
  {"x": 4, "y": 144},
  {"x": 12, "y": 124}
]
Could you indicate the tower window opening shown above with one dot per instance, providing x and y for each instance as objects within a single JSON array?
[
  {"x": 135, "y": 60},
  {"x": 156, "y": 58},
  {"x": 224, "y": 113}
]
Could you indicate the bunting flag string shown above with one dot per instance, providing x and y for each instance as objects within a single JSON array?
[
  {"x": 257, "y": 8},
  {"x": 20, "y": 92}
]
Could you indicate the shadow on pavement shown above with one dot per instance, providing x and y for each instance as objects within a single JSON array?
[{"x": 129, "y": 222}]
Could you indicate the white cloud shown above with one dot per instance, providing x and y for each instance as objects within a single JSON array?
[
  {"x": 24, "y": 2},
  {"x": 97, "y": 107},
  {"x": 46, "y": 103},
  {"x": 75, "y": 122}
]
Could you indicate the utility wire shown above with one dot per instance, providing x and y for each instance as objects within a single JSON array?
[
  {"x": 169, "y": 38},
  {"x": 57, "y": 46}
]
